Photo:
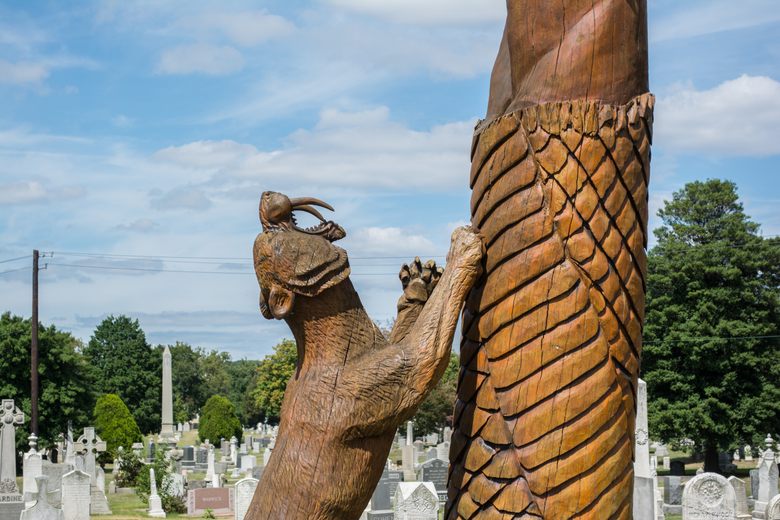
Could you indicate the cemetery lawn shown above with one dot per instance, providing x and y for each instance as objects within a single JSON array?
[{"x": 128, "y": 507}]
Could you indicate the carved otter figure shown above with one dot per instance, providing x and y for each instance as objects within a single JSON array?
[{"x": 352, "y": 387}]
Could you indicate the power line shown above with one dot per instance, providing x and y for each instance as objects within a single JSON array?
[
  {"x": 14, "y": 259},
  {"x": 150, "y": 270},
  {"x": 15, "y": 270},
  {"x": 226, "y": 258}
]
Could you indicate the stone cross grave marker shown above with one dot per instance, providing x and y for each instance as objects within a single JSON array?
[
  {"x": 709, "y": 496},
  {"x": 11, "y": 418},
  {"x": 245, "y": 490},
  {"x": 91, "y": 445}
]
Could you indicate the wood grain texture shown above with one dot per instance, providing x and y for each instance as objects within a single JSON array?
[
  {"x": 352, "y": 387},
  {"x": 552, "y": 331}
]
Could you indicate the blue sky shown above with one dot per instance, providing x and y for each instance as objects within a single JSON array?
[{"x": 151, "y": 128}]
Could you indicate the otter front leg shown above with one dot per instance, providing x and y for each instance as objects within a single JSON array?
[{"x": 418, "y": 281}]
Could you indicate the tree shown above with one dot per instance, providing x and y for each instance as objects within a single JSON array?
[
  {"x": 127, "y": 366},
  {"x": 65, "y": 378},
  {"x": 218, "y": 420},
  {"x": 435, "y": 410},
  {"x": 712, "y": 298},
  {"x": 216, "y": 378},
  {"x": 242, "y": 373},
  {"x": 267, "y": 388},
  {"x": 115, "y": 424}
]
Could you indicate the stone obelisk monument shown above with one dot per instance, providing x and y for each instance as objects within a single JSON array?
[
  {"x": 166, "y": 433},
  {"x": 552, "y": 333}
]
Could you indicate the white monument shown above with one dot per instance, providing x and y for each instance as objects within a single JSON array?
[
  {"x": 709, "y": 496},
  {"x": 41, "y": 509},
  {"x": 167, "y": 433},
  {"x": 76, "y": 496},
  {"x": 245, "y": 490},
  {"x": 416, "y": 501},
  {"x": 155, "y": 504},
  {"x": 767, "y": 480}
]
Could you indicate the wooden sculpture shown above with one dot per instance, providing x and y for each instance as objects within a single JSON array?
[
  {"x": 552, "y": 332},
  {"x": 352, "y": 387}
]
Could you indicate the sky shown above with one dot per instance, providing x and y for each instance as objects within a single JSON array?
[{"x": 136, "y": 137}]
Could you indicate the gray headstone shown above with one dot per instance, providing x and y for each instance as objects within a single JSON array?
[
  {"x": 257, "y": 472},
  {"x": 435, "y": 471},
  {"x": 380, "y": 515},
  {"x": 754, "y": 483},
  {"x": 741, "y": 494},
  {"x": 245, "y": 490},
  {"x": 673, "y": 489},
  {"x": 416, "y": 501},
  {"x": 677, "y": 468},
  {"x": 76, "y": 496},
  {"x": 42, "y": 510},
  {"x": 709, "y": 496},
  {"x": 382, "y": 499}
]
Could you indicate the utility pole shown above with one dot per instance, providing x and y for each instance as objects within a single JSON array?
[{"x": 34, "y": 348}]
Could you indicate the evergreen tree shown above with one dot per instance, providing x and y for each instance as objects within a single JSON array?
[
  {"x": 126, "y": 365},
  {"x": 218, "y": 420},
  {"x": 433, "y": 413},
  {"x": 115, "y": 425},
  {"x": 713, "y": 297},
  {"x": 65, "y": 378}
]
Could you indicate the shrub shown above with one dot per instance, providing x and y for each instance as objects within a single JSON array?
[
  {"x": 163, "y": 466},
  {"x": 115, "y": 425},
  {"x": 130, "y": 466},
  {"x": 218, "y": 420}
]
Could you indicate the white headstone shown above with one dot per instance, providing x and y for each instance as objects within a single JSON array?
[
  {"x": 773, "y": 509},
  {"x": 767, "y": 476},
  {"x": 416, "y": 501},
  {"x": 76, "y": 496},
  {"x": 233, "y": 450},
  {"x": 748, "y": 453},
  {"x": 667, "y": 463},
  {"x": 210, "y": 471},
  {"x": 641, "y": 433},
  {"x": 709, "y": 496},
  {"x": 155, "y": 503},
  {"x": 245, "y": 490},
  {"x": 409, "y": 433},
  {"x": 443, "y": 451},
  {"x": 32, "y": 468},
  {"x": 41, "y": 509},
  {"x": 248, "y": 462}
]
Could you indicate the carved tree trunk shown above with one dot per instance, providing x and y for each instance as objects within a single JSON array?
[{"x": 552, "y": 340}]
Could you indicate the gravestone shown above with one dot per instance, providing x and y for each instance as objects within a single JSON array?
[
  {"x": 645, "y": 503},
  {"x": 11, "y": 502},
  {"x": 677, "y": 468},
  {"x": 380, "y": 515},
  {"x": 739, "y": 490},
  {"x": 667, "y": 462},
  {"x": 435, "y": 471},
  {"x": 32, "y": 468},
  {"x": 257, "y": 472},
  {"x": 447, "y": 436},
  {"x": 754, "y": 483},
  {"x": 267, "y": 455},
  {"x": 188, "y": 457},
  {"x": 673, "y": 489},
  {"x": 211, "y": 471},
  {"x": 76, "y": 496},
  {"x": 166, "y": 430},
  {"x": 416, "y": 501},
  {"x": 175, "y": 485},
  {"x": 219, "y": 500},
  {"x": 233, "y": 450},
  {"x": 55, "y": 473},
  {"x": 408, "y": 454},
  {"x": 430, "y": 454},
  {"x": 748, "y": 453},
  {"x": 443, "y": 451},
  {"x": 382, "y": 499},
  {"x": 773, "y": 509},
  {"x": 248, "y": 462},
  {"x": 41, "y": 509},
  {"x": 224, "y": 445},
  {"x": 767, "y": 479},
  {"x": 155, "y": 503},
  {"x": 709, "y": 496},
  {"x": 89, "y": 444},
  {"x": 245, "y": 490},
  {"x": 242, "y": 450}
]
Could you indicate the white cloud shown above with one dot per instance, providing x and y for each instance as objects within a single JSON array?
[
  {"x": 244, "y": 28},
  {"x": 183, "y": 197},
  {"x": 433, "y": 12},
  {"x": 353, "y": 150},
  {"x": 737, "y": 117},
  {"x": 22, "y": 73},
  {"x": 29, "y": 192},
  {"x": 391, "y": 241},
  {"x": 690, "y": 19},
  {"x": 122, "y": 121},
  {"x": 200, "y": 58},
  {"x": 141, "y": 225}
]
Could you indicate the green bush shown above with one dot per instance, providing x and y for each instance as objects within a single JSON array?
[
  {"x": 218, "y": 420},
  {"x": 163, "y": 466},
  {"x": 115, "y": 424},
  {"x": 130, "y": 466}
]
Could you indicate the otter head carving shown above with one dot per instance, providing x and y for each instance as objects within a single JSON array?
[{"x": 291, "y": 261}]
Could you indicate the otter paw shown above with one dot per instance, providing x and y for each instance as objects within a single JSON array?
[{"x": 419, "y": 280}]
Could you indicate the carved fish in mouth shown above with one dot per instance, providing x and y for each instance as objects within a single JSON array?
[{"x": 277, "y": 214}]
